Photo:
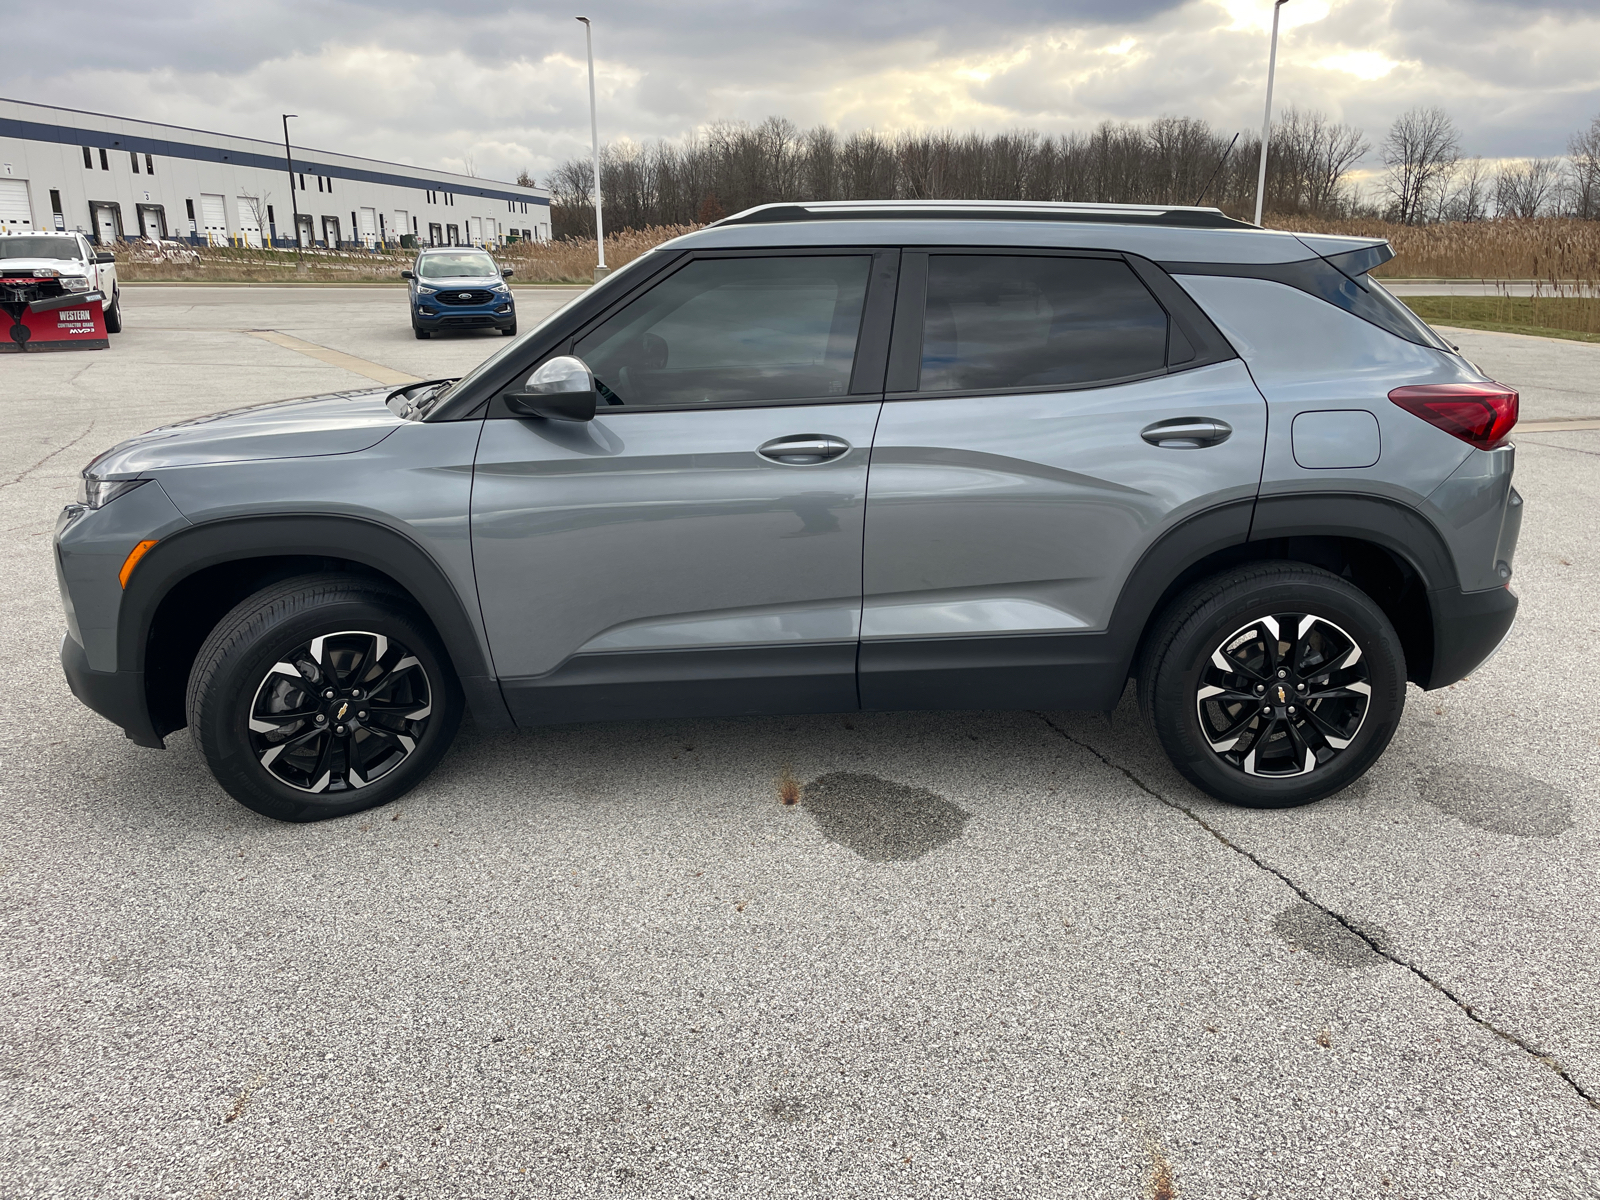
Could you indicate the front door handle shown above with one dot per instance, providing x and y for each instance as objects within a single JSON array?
[
  {"x": 1187, "y": 433},
  {"x": 804, "y": 449}
]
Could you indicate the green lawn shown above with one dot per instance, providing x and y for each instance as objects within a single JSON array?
[{"x": 1567, "y": 317}]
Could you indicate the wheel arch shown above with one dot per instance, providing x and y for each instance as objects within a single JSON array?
[
  {"x": 187, "y": 582},
  {"x": 1385, "y": 548}
]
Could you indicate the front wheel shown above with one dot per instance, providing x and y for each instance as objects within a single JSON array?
[
  {"x": 114, "y": 314},
  {"x": 510, "y": 330},
  {"x": 422, "y": 334},
  {"x": 322, "y": 696},
  {"x": 1273, "y": 685}
]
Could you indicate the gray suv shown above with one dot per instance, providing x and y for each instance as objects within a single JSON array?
[{"x": 827, "y": 458}]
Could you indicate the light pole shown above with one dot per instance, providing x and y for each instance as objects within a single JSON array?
[
  {"x": 293, "y": 199},
  {"x": 1266, "y": 122},
  {"x": 594, "y": 142}
]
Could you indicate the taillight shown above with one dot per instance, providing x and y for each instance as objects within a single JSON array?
[{"x": 1479, "y": 413}]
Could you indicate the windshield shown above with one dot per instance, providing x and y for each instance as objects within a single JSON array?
[
  {"x": 43, "y": 245},
  {"x": 468, "y": 264}
]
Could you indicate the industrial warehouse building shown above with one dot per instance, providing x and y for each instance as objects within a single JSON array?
[{"x": 116, "y": 178}]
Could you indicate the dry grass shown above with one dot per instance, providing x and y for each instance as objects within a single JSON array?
[
  {"x": 1561, "y": 253},
  {"x": 534, "y": 262}
]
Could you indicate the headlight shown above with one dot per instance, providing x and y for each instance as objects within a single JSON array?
[
  {"x": 500, "y": 287},
  {"x": 425, "y": 291},
  {"x": 75, "y": 283},
  {"x": 97, "y": 493}
]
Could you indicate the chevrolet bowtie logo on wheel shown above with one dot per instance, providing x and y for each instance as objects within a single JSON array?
[
  {"x": 344, "y": 708},
  {"x": 1283, "y": 697}
]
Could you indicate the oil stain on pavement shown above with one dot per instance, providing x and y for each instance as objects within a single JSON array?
[
  {"x": 1307, "y": 927},
  {"x": 1498, "y": 800},
  {"x": 880, "y": 820}
]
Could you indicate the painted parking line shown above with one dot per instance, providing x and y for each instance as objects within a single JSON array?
[{"x": 336, "y": 358}]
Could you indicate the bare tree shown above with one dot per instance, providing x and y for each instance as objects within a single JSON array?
[
  {"x": 1525, "y": 189},
  {"x": 1584, "y": 147},
  {"x": 257, "y": 207},
  {"x": 1419, "y": 156},
  {"x": 1469, "y": 197},
  {"x": 525, "y": 178}
]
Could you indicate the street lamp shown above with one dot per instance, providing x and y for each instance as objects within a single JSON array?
[
  {"x": 1266, "y": 123},
  {"x": 293, "y": 200},
  {"x": 594, "y": 142}
]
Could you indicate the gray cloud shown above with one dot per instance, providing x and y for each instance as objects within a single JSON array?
[{"x": 502, "y": 83}]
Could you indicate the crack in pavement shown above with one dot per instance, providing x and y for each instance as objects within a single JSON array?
[
  {"x": 26, "y": 471},
  {"x": 1542, "y": 1056}
]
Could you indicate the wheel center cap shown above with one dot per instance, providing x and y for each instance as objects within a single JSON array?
[
  {"x": 1280, "y": 692},
  {"x": 345, "y": 707}
]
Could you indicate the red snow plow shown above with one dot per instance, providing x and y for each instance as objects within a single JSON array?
[{"x": 40, "y": 315}]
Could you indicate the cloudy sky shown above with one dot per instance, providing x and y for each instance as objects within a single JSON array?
[{"x": 501, "y": 85}]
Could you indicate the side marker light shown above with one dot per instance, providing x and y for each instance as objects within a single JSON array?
[{"x": 132, "y": 561}]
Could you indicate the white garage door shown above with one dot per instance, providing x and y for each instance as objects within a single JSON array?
[
  {"x": 214, "y": 219},
  {"x": 369, "y": 226},
  {"x": 15, "y": 214},
  {"x": 249, "y": 226},
  {"x": 475, "y": 231},
  {"x": 402, "y": 224}
]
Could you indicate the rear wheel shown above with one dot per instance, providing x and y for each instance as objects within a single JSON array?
[
  {"x": 322, "y": 696},
  {"x": 114, "y": 314},
  {"x": 1273, "y": 685}
]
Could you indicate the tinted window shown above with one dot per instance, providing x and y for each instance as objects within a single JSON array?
[
  {"x": 465, "y": 265},
  {"x": 735, "y": 329},
  {"x": 996, "y": 321}
]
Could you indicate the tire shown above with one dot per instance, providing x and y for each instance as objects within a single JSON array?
[
  {"x": 114, "y": 314},
  {"x": 511, "y": 330},
  {"x": 422, "y": 334},
  {"x": 1212, "y": 659},
  {"x": 279, "y": 652}
]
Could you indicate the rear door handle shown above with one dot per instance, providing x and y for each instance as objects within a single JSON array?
[
  {"x": 803, "y": 449},
  {"x": 1187, "y": 433}
]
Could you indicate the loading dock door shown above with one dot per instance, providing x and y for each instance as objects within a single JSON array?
[
  {"x": 16, "y": 215},
  {"x": 249, "y": 226},
  {"x": 152, "y": 221},
  {"x": 308, "y": 232},
  {"x": 107, "y": 215},
  {"x": 475, "y": 231},
  {"x": 402, "y": 224},
  {"x": 369, "y": 226},
  {"x": 330, "y": 231},
  {"x": 435, "y": 234},
  {"x": 214, "y": 219}
]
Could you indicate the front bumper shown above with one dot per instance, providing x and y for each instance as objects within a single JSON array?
[
  {"x": 118, "y": 696},
  {"x": 497, "y": 314},
  {"x": 1468, "y": 627}
]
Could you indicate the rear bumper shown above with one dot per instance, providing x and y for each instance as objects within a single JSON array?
[
  {"x": 118, "y": 696},
  {"x": 1468, "y": 627}
]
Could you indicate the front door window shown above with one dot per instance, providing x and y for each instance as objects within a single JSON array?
[{"x": 735, "y": 330}]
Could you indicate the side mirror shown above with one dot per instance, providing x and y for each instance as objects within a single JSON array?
[
  {"x": 563, "y": 389},
  {"x": 408, "y": 274},
  {"x": 507, "y": 272},
  {"x": 104, "y": 256}
]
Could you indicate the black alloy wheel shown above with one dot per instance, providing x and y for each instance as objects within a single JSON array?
[
  {"x": 1284, "y": 695},
  {"x": 321, "y": 696},
  {"x": 340, "y": 712},
  {"x": 1273, "y": 684}
]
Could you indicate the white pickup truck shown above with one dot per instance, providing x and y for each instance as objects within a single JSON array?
[{"x": 69, "y": 260}]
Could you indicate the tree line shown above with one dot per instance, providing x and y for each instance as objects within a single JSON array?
[{"x": 1169, "y": 160}]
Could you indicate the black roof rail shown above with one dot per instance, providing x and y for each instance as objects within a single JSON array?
[{"x": 934, "y": 210}]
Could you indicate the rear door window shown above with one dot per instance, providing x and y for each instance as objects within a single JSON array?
[
  {"x": 1003, "y": 322},
  {"x": 735, "y": 330}
]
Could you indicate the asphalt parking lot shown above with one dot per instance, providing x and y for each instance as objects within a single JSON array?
[{"x": 984, "y": 954}]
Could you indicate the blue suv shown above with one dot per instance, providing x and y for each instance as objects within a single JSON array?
[{"x": 459, "y": 287}]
